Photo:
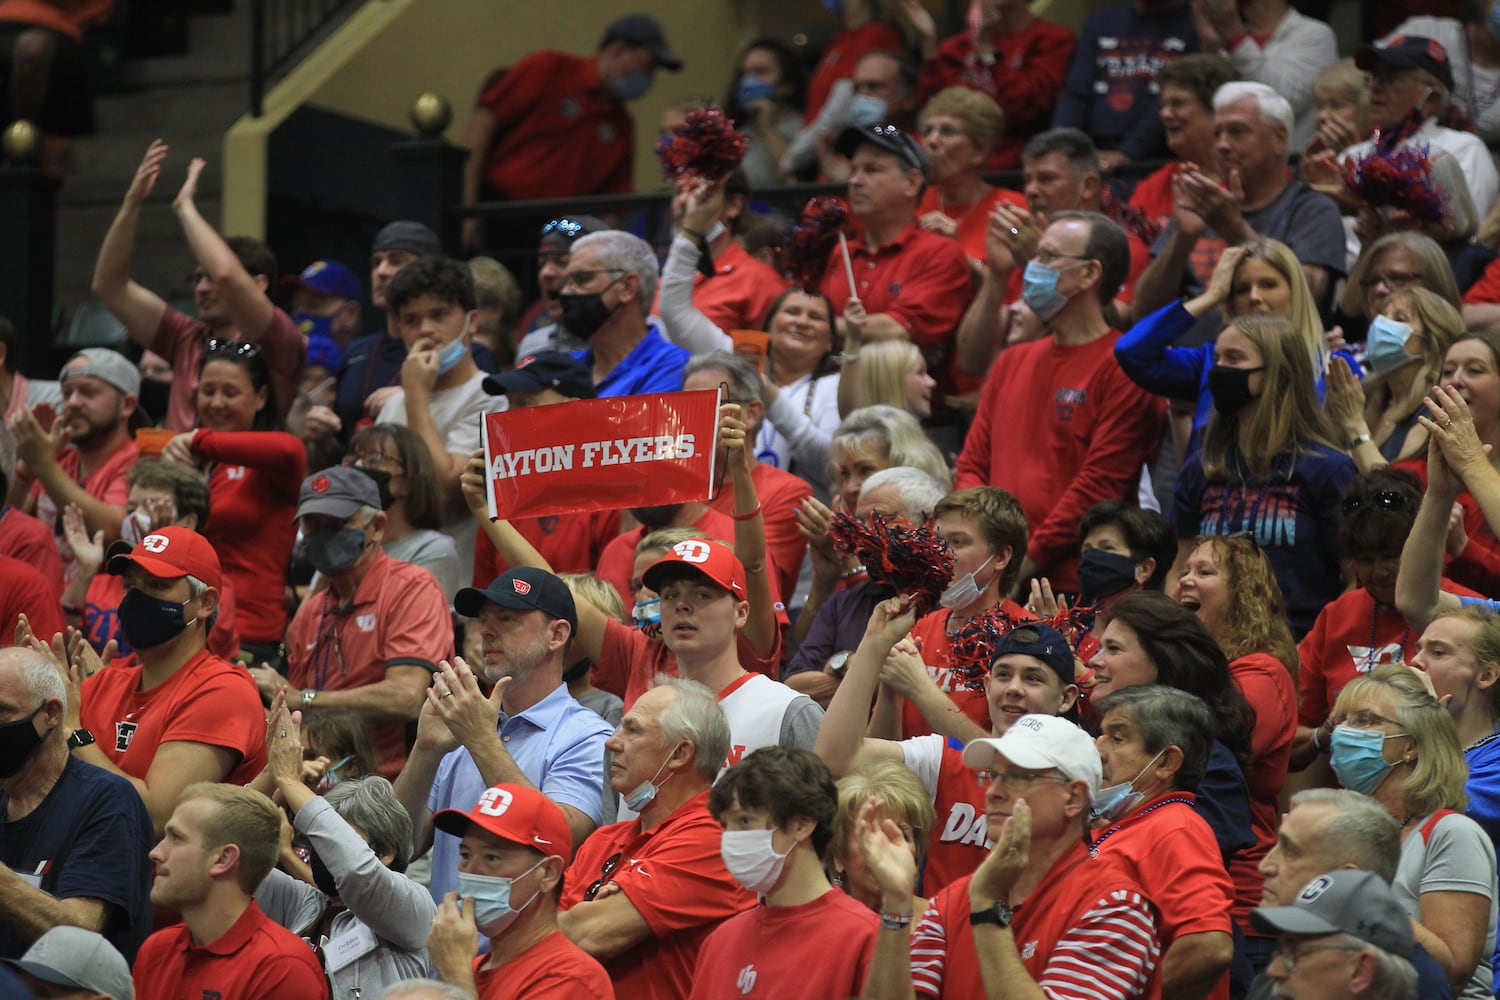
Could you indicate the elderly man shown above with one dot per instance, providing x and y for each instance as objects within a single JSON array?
[
  {"x": 517, "y": 837},
  {"x": 1041, "y": 907},
  {"x": 1344, "y": 935},
  {"x": 1059, "y": 424},
  {"x": 83, "y": 456},
  {"x": 219, "y": 844},
  {"x": 73, "y": 837},
  {"x": 529, "y": 731},
  {"x": 642, "y": 895},
  {"x": 1258, "y": 198},
  {"x": 370, "y": 641},
  {"x": 70, "y": 963}
]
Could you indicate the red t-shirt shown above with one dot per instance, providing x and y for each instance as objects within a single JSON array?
[
  {"x": 398, "y": 617},
  {"x": 818, "y": 949},
  {"x": 842, "y": 55},
  {"x": 1062, "y": 428},
  {"x": 559, "y": 132},
  {"x": 1267, "y": 685},
  {"x": 182, "y": 340},
  {"x": 256, "y": 959},
  {"x": 25, "y": 591},
  {"x": 106, "y": 483},
  {"x": 630, "y": 659},
  {"x": 206, "y": 701},
  {"x": 1088, "y": 932},
  {"x": 1166, "y": 845},
  {"x": 552, "y": 969},
  {"x": 1486, "y": 290},
  {"x": 571, "y": 543},
  {"x": 781, "y": 493},
  {"x": 937, "y": 653},
  {"x": 25, "y": 538},
  {"x": 740, "y": 294},
  {"x": 1153, "y": 195},
  {"x": 1352, "y": 636},
  {"x": 253, "y": 481},
  {"x": 675, "y": 878}
]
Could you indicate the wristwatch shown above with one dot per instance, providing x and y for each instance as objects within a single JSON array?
[
  {"x": 999, "y": 915},
  {"x": 308, "y": 694},
  {"x": 79, "y": 738}
]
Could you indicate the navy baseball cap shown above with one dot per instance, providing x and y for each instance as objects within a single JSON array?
[
  {"x": 1041, "y": 641},
  {"x": 522, "y": 589},
  {"x": 545, "y": 370},
  {"x": 647, "y": 32},
  {"x": 892, "y": 139},
  {"x": 1408, "y": 52}
]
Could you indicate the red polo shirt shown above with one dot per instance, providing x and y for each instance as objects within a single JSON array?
[
  {"x": 256, "y": 958},
  {"x": 740, "y": 294},
  {"x": 920, "y": 278}
]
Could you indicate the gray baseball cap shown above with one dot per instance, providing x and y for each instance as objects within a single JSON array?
[
  {"x": 1346, "y": 901},
  {"x": 103, "y": 363},
  {"x": 338, "y": 492},
  {"x": 79, "y": 959}
]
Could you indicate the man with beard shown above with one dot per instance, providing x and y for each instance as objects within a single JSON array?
[
  {"x": 528, "y": 732},
  {"x": 83, "y": 457}
]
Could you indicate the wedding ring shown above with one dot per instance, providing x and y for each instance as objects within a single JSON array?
[
  {"x": 448, "y": 694},
  {"x": 1449, "y": 424}
]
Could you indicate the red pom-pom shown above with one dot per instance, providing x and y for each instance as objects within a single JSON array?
[
  {"x": 909, "y": 560},
  {"x": 1399, "y": 178},
  {"x": 812, "y": 239},
  {"x": 705, "y": 145},
  {"x": 974, "y": 644}
]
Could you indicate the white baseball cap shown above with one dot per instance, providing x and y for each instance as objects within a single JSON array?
[{"x": 1039, "y": 742}]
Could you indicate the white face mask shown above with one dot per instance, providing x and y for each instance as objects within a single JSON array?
[
  {"x": 751, "y": 859},
  {"x": 964, "y": 591},
  {"x": 135, "y": 527}
]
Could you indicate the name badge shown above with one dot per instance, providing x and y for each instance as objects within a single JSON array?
[{"x": 340, "y": 951}]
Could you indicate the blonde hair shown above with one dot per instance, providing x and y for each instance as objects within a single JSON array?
[
  {"x": 896, "y": 788},
  {"x": 898, "y": 434},
  {"x": 1442, "y": 324},
  {"x": 1345, "y": 83},
  {"x": 1289, "y": 416},
  {"x": 1485, "y": 642},
  {"x": 880, "y": 379},
  {"x": 1303, "y": 310},
  {"x": 242, "y": 817},
  {"x": 975, "y": 111},
  {"x": 1430, "y": 261},
  {"x": 588, "y": 587}
]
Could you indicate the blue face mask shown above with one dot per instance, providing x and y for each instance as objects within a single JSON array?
[
  {"x": 641, "y": 795},
  {"x": 751, "y": 90},
  {"x": 1385, "y": 344},
  {"x": 1039, "y": 290},
  {"x": 491, "y": 894},
  {"x": 1358, "y": 758},
  {"x": 1117, "y": 800},
  {"x": 866, "y": 110},
  {"x": 453, "y": 352},
  {"x": 313, "y": 325},
  {"x": 631, "y": 85}
]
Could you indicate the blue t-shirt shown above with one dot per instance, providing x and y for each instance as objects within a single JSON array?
[
  {"x": 1292, "y": 513},
  {"x": 655, "y": 365},
  {"x": 89, "y": 837}
]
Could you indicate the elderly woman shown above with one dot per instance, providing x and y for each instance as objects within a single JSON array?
[
  {"x": 904, "y": 801},
  {"x": 1393, "y": 742},
  {"x": 1386, "y": 265},
  {"x": 959, "y": 128},
  {"x": 358, "y": 840},
  {"x": 1187, "y": 117}
]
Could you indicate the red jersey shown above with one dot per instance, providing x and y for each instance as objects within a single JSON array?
[
  {"x": 781, "y": 493},
  {"x": 552, "y": 969},
  {"x": 1166, "y": 845},
  {"x": 630, "y": 659},
  {"x": 1088, "y": 932},
  {"x": 839, "y": 59},
  {"x": 1153, "y": 195},
  {"x": 256, "y": 959},
  {"x": 253, "y": 481},
  {"x": 559, "y": 131},
  {"x": 740, "y": 294},
  {"x": 675, "y": 878},
  {"x": 1061, "y": 428},
  {"x": 960, "y": 838},
  {"x": 946, "y": 670},
  {"x": 1267, "y": 685},
  {"x": 25, "y": 538},
  {"x": 398, "y": 617},
  {"x": 1352, "y": 636},
  {"x": 182, "y": 340},
  {"x": 571, "y": 543},
  {"x": 205, "y": 701},
  {"x": 814, "y": 951},
  {"x": 25, "y": 591},
  {"x": 106, "y": 483}
]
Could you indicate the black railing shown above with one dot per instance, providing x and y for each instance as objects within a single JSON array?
[{"x": 279, "y": 32}]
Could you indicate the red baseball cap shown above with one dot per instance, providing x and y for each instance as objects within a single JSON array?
[
  {"x": 715, "y": 561},
  {"x": 515, "y": 813},
  {"x": 169, "y": 553}
]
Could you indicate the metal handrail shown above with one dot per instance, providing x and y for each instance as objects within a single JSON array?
[{"x": 279, "y": 33}]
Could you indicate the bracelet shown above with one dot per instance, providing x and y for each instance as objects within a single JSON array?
[
  {"x": 748, "y": 514},
  {"x": 895, "y": 921},
  {"x": 844, "y": 359},
  {"x": 1318, "y": 744},
  {"x": 1362, "y": 439},
  {"x": 850, "y": 574}
]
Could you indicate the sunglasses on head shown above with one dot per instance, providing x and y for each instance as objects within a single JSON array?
[
  {"x": 237, "y": 348},
  {"x": 567, "y": 227},
  {"x": 1384, "y": 499}
]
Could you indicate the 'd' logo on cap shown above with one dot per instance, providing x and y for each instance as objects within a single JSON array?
[
  {"x": 694, "y": 550},
  {"x": 320, "y": 485},
  {"x": 1436, "y": 52},
  {"x": 521, "y": 586},
  {"x": 494, "y": 802},
  {"x": 155, "y": 543},
  {"x": 526, "y": 361}
]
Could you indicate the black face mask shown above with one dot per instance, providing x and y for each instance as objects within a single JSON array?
[
  {"x": 153, "y": 397},
  {"x": 19, "y": 743},
  {"x": 1103, "y": 574},
  {"x": 1230, "y": 388},
  {"x": 149, "y": 621},
  {"x": 383, "y": 484},
  {"x": 322, "y": 877},
  {"x": 584, "y": 313}
]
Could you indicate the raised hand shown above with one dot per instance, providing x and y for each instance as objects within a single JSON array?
[
  {"x": 189, "y": 191},
  {"x": 144, "y": 181}
]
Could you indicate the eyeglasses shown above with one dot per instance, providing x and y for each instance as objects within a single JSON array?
[
  {"x": 1384, "y": 499},
  {"x": 234, "y": 348},
  {"x": 1049, "y": 258},
  {"x": 1364, "y": 719},
  {"x": 1015, "y": 781},
  {"x": 577, "y": 279},
  {"x": 570, "y": 228},
  {"x": 374, "y": 460},
  {"x": 1290, "y": 954},
  {"x": 1392, "y": 279},
  {"x": 605, "y": 871}
]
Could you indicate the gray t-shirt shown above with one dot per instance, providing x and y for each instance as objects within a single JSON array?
[{"x": 1457, "y": 856}]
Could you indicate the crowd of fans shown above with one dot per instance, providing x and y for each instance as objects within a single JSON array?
[{"x": 1208, "y": 704}]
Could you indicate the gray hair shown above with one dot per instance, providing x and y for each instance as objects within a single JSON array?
[
  {"x": 695, "y": 715},
  {"x": 899, "y": 435},
  {"x": 424, "y": 989},
  {"x": 1395, "y": 978},
  {"x": 919, "y": 492},
  {"x": 625, "y": 252},
  {"x": 739, "y": 371},
  {"x": 1168, "y": 716},
  {"x": 1075, "y": 146},
  {"x": 39, "y": 672},
  {"x": 370, "y": 803},
  {"x": 1274, "y": 109},
  {"x": 196, "y": 587},
  {"x": 1358, "y": 831}
]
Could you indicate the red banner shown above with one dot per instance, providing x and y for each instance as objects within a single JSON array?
[{"x": 601, "y": 454}]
